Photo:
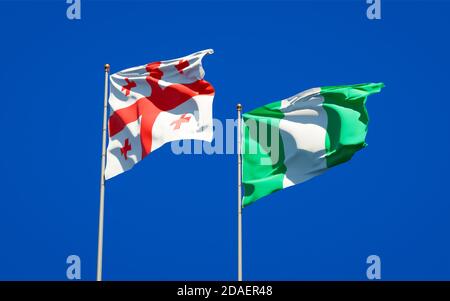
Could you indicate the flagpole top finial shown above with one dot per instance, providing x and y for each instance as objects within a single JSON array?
[
  {"x": 239, "y": 107},
  {"x": 107, "y": 67}
]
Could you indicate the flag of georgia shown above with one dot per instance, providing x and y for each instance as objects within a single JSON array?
[{"x": 154, "y": 104}]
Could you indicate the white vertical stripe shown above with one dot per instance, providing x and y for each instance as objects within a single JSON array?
[
  {"x": 300, "y": 97},
  {"x": 303, "y": 131}
]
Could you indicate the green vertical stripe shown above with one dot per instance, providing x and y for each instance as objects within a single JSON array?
[
  {"x": 259, "y": 178},
  {"x": 347, "y": 120}
]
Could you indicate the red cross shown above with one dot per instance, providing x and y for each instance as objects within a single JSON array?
[
  {"x": 161, "y": 99},
  {"x": 125, "y": 149},
  {"x": 179, "y": 121},
  {"x": 181, "y": 65},
  {"x": 130, "y": 84}
]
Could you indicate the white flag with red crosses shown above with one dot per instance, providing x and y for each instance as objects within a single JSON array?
[{"x": 154, "y": 104}]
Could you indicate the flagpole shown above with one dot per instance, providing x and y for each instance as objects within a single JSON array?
[
  {"x": 239, "y": 138},
  {"x": 102, "y": 181}
]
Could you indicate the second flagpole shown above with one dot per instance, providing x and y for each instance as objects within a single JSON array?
[
  {"x": 239, "y": 138},
  {"x": 102, "y": 181}
]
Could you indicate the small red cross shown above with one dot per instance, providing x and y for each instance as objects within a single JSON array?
[
  {"x": 125, "y": 149},
  {"x": 181, "y": 65},
  {"x": 179, "y": 121},
  {"x": 130, "y": 84}
]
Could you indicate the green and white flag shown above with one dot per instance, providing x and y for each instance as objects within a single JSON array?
[{"x": 290, "y": 141}]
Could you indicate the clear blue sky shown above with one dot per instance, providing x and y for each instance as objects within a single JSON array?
[{"x": 174, "y": 217}]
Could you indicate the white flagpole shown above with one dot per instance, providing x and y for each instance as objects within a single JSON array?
[
  {"x": 239, "y": 138},
  {"x": 102, "y": 181}
]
